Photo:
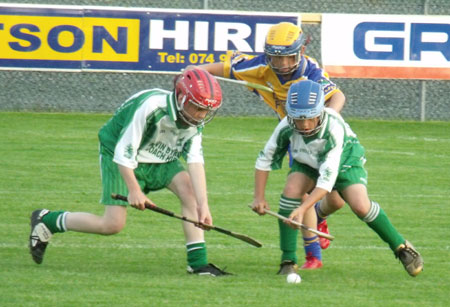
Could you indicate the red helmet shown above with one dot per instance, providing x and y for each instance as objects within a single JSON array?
[{"x": 199, "y": 88}]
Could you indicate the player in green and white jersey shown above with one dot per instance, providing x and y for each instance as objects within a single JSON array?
[
  {"x": 327, "y": 156},
  {"x": 140, "y": 147},
  {"x": 283, "y": 63}
]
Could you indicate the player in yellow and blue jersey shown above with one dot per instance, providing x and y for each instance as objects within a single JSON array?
[{"x": 283, "y": 63}]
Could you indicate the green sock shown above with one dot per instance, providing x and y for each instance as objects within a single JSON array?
[
  {"x": 379, "y": 222},
  {"x": 55, "y": 221},
  {"x": 196, "y": 254},
  {"x": 288, "y": 236}
]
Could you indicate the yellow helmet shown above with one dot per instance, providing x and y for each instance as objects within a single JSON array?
[{"x": 284, "y": 39}]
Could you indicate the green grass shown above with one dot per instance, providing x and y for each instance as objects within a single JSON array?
[{"x": 50, "y": 160}]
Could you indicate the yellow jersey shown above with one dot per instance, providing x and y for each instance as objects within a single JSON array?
[{"x": 255, "y": 69}]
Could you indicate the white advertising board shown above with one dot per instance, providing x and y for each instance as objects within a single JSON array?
[{"x": 386, "y": 46}]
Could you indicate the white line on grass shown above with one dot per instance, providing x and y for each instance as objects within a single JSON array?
[
  {"x": 392, "y": 152},
  {"x": 243, "y": 192},
  {"x": 412, "y": 195},
  {"x": 236, "y": 139},
  {"x": 210, "y": 245},
  {"x": 426, "y": 139},
  {"x": 405, "y": 153},
  {"x": 410, "y": 138}
]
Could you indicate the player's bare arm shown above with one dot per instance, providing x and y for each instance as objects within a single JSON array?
[
  {"x": 336, "y": 101},
  {"x": 198, "y": 177},
  {"x": 136, "y": 197},
  {"x": 259, "y": 200},
  {"x": 297, "y": 215}
]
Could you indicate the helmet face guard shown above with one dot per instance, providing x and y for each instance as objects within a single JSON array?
[
  {"x": 283, "y": 70},
  {"x": 284, "y": 40},
  {"x": 197, "y": 89},
  {"x": 305, "y": 100},
  {"x": 191, "y": 120},
  {"x": 306, "y": 132}
]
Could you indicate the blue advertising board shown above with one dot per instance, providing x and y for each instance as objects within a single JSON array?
[{"x": 120, "y": 39}]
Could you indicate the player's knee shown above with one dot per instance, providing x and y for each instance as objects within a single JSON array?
[
  {"x": 113, "y": 227},
  {"x": 360, "y": 209},
  {"x": 360, "y": 205},
  {"x": 338, "y": 203},
  {"x": 182, "y": 186},
  {"x": 360, "y": 212},
  {"x": 335, "y": 201},
  {"x": 186, "y": 194},
  {"x": 189, "y": 202},
  {"x": 292, "y": 191}
]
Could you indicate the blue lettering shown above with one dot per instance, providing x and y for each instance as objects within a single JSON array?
[
  {"x": 78, "y": 39},
  {"x": 101, "y": 34},
  {"x": 34, "y": 42},
  {"x": 359, "y": 41},
  {"x": 417, "y": 46}
]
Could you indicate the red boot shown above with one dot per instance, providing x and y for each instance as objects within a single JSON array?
[
  {"x": 311, "y": 263},
  {"x": 323, "y": 227}
]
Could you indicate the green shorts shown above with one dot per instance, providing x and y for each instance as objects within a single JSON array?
[
  {"x": 351, "y": 170},
  {"x": 151, "y": 177}
]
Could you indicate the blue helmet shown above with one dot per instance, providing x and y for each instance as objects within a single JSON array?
[{"x": 305, "y": 100}]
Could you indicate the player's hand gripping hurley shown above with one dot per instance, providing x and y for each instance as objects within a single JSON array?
[
  {"x": 300, "y": 225},
  {"x": 239, "y": 236}
]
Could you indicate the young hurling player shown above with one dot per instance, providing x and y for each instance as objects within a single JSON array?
[
  {"x": 283, "y": 63},
  {"x": 327, "y": 155},
  {"x": 140, "y": 147}
]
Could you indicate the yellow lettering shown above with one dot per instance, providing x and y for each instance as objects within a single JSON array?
[{"x": 162, "y": 56}]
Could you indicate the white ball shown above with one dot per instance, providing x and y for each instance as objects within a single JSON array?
[{"x": 293, "y": 278}]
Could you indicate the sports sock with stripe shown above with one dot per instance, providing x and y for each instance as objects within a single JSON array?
[
  {"x": 288, "y": 236},
  {"x": 196, "y": 254},
  {"x": 379, "y": 222},
  {"x": 312, "y": 247},
  {"x": 55, "y": 221}
]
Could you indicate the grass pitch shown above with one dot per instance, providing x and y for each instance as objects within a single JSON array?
[{"x": 50, "y": 161}]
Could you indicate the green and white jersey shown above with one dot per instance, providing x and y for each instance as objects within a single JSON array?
[
  {"x": 323, "y": 151},
  {"x": 144, "y": 129}
]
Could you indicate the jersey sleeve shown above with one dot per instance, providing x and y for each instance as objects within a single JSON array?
[
  {"x": 315, "y": 73},
  {"x": 193, "y": 150},
  {"x": 240, "y": 66},
  {"x": 329, "y": 168},
  {"x": 130, "y": 137},
  {"x": 232, "y": 58},
  {"x": 271, "y": 157}
]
